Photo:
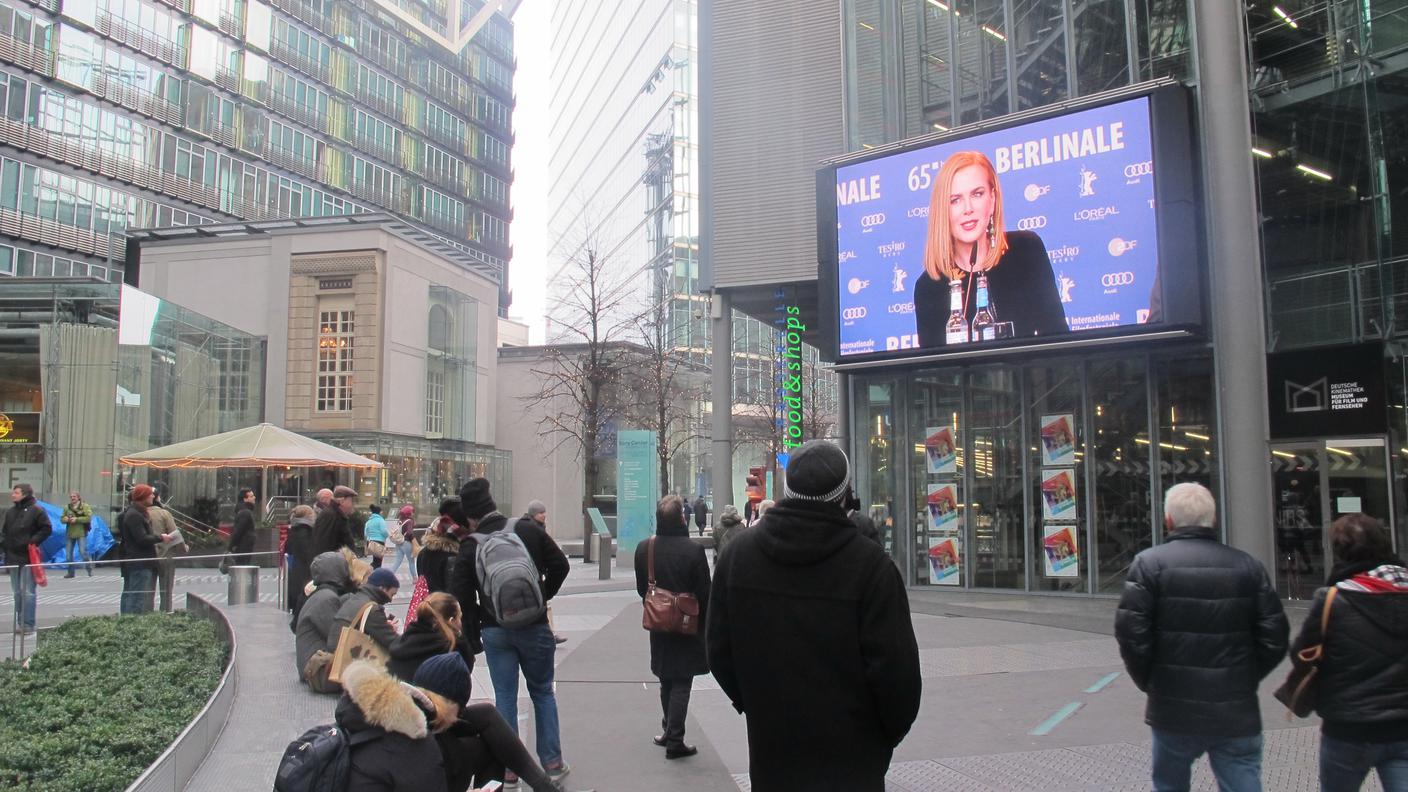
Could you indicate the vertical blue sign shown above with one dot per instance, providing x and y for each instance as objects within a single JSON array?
[{"x": 636, "y": 490}]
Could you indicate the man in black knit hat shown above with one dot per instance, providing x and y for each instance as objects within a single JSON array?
[
  {"x": 809, "y": 635},
  {"x": 530, "y": 646}
]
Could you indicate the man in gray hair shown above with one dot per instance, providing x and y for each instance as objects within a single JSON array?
[
  {"x": 537, "y": 516},
  {"x": 1199, "y": 626}
]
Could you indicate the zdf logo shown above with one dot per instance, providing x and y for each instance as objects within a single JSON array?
[
  {"x": 872, "y": 220},
  {"x": 1119, "y": 247},
  {"x": 856, "y": 285},
  {"x": 1134, "y": 171},
  {"x": 853, "y": 313},
  {"x": 1032, "y": 223},
  {"x": 1117, "y": 279}
]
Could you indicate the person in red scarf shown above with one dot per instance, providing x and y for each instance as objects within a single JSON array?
[{"x": 1362, "y": 682}]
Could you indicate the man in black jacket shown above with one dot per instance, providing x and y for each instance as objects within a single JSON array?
[
  {"x": 530, "y": 647},
  {"x": 809, "y": 635},
  {"x": 1199, "y": 626},
  {"x": 331, "y": 531},
  {"x": 242, "y": 533},
  {"x": 26, "y": 523},
  {"x": 139, "y": 541},
  {"x": 701, "y": 513}
]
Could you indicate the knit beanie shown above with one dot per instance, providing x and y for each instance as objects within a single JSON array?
[
  {"x": 475, "y": 499},
  {"x": 445, "y": 675},
  {"x": 817, "y": 471},
  {"x": 382, "y": 577}
]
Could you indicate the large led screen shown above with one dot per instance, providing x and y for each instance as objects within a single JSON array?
[{"x": 1030, "y": 233}]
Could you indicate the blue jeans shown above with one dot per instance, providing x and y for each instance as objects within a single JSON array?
[
  {"x": 138, "y": 590},
  {"x": 22, "y": 588},
  {"x": 530, "y": 648},
  {"x": 73, "y": 549},
  {"x": 1236, "y": 761},
  {"x": 1344, "y": 764},
  {"x": 403, "y": 553}
]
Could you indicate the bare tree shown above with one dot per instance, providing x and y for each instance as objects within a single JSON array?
[{"x": 671, "y": 385}]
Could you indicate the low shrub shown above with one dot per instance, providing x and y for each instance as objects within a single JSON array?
[{"x": 101, "y": 698}]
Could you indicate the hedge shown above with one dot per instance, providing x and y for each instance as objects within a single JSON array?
[{"x": 102, "y": 698}]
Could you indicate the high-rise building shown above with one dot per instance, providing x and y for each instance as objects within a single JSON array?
[{"x": 122, "y": 114}]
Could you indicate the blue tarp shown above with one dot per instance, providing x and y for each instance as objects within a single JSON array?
[{"x": 53, "y": 551}]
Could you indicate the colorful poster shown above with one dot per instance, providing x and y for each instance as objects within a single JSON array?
[
  {"x": 942, "y": 501},
  {"x": 1058, "y": 439},
  {"x": 1058, "y": 494},
  {"x": 940, "y": 453},
  {"x": 943, "y": 562},
  {"x": 1062, "y": 555}
]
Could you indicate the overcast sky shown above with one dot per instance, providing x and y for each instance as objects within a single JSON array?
[{"x": 529, "y": 232}]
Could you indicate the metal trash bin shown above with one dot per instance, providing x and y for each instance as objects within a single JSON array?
[
  {"x": 605, "y": 552},
  {"x": 244, "y": 585}
]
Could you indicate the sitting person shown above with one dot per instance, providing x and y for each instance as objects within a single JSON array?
[
  {"x": 391, "y": 748},
  {"x": 437, "y": 629},
  {"x": 378, "y": 591},
  {"x": 314, "y": 630}
]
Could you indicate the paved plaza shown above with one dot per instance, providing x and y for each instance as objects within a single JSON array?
[{"x": 1020, "y": 693}]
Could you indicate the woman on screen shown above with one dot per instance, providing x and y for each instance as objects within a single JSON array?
[{"x": 968, "y": 249}]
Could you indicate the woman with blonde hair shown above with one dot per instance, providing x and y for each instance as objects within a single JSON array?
[{"x": 972, "y": 262}]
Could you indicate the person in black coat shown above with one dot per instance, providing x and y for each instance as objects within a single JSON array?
[
  {"x": 391, "y": 747},
  {"x": 701, "y": 513},
  {"x": 299, "y": 548},
  {"x": 966, "y": 238},
  {"x": 681, "y": 567},
  {"x": 139, "y": 562},
  {"x": 26, "y": 523},
  {"x": 1199, "y": 626},
  {"x": 437, "y": 629},
  {"x": 1362, "y": 681},
  {"x": 438, "y": 551},
  {"x": 242, "y": 533},
  {"x": 809, "y": 635},
  {"x": 331, "y": 531}
]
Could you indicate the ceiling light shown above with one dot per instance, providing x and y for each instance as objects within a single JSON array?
[
  {"x": 994, "y": 33},
  {"x": 1263, "y": 153},
  {"x": 1285, "y": 17},
  {"x": 1319, "y": 174}
]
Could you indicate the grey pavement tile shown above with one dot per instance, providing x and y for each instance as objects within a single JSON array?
[{"x": 929, "y": 775}]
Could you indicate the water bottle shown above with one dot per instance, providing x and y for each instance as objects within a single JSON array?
[{"x": 956, "y": 332}]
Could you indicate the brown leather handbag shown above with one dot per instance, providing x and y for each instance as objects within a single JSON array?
[
  {"x": 1299, "y": 690},
  {"x": 666, "y": 611}
]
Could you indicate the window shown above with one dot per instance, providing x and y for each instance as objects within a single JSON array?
[
  {"x": 379, "y": 88},
  {"x": 435, "y": 400},
  {"x": 233, "y": 358},
  {"x": 335, "y": 342}
]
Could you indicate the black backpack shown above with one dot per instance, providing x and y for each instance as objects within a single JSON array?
[{"x": 320, "y": 760}]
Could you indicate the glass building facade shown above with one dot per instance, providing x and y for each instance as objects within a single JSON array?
[
  {"x": 147, "y": 113},
  {"x": 1326, "y": 81}
]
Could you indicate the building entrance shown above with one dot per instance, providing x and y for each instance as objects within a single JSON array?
[{"x": 1314, "y": 483}]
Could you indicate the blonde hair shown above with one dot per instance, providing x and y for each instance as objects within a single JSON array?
[
  {"x": 440, "y": 608},
  {"x": 302, "y": 510},
  {"x": 938, "y": 246},
  {"x": 358, "y": 571}
]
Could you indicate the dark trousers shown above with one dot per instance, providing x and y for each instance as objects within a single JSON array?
[
  {"x": 166, "y": 579},
  {"x": 484, "y": 747},
  {"x": 674, "y": 702}
]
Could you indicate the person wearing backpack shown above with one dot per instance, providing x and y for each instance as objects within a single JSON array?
[
  {"x": 504, "y": 577},
  {"x": 390, "y": 747}
]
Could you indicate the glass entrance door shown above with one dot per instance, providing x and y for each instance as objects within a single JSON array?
[{"x": 1313, "y": 484}]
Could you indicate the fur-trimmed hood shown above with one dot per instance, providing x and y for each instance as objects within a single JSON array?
[
  {"x": 374, "y": 699},
  {"x": 442, "y": 542}
]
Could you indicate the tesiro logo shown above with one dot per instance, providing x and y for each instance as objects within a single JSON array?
[
  {"x": 872, "y": 220},
  {"x": 1032, "y": 223},
  {"x": 1117, "y": 279},
  {"x": 1118, "y": 247},
  {"x": 1063, "y": 254},
  {"x": 1035, "y": 191},
  {"x": 1098, "y": 213},
  {"x": 890, "y": 249},
  {"x": 853, "y": 313},
  {"x": 856, "y": 285},
  {"x": 1135, "y": 170}
]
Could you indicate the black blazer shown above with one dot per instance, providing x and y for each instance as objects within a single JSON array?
[
  {"x": 1021, "y": 289},
  {"x": 681, "y": 567}
]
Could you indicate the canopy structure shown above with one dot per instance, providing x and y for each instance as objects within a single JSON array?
[{"x": 260, "y": 446}]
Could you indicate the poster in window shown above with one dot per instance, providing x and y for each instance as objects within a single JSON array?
[
  {"x": 940, "y": 454},
  {"x": 942, "y": 500},
  {"x": 943, "y": 561},
  {"x": 1062, "y": 553},
  {"x": 1058, "y": 440},
  {"x": 1058, "y": 494}
]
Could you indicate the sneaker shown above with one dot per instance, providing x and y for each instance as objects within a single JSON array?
[
  {"x": 558, "y": 638},
  {"x": 69, "y": 575},
  {"x": 558, "y": 770}
]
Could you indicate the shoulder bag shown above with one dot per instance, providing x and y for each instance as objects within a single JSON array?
[
  {"x": 1298, "y": 691},
  {"x": 354, "y": 644},
  {"x": 666, "y": 611}
]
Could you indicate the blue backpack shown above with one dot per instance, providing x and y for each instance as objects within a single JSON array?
[{"x": 320, "y": 760}]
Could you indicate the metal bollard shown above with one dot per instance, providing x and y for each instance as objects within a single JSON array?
[
  {"x": 589, "y": 553},
  {"x": 244, "y": 585},
  {"x": 604, "y": 554}
]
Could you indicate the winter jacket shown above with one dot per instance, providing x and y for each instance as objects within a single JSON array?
[
  {"x": 809, "y": 635},
  {"x": 242, "y": 534},
  {"x": 374, "y": 530},
  {"x": 421, "y": 641},
  {"x": 26, "y": 523},
  {"x": 162, "y": 523},
  {"x": 299, "y": 547},
  {"x": 1199, "y": 626},
  {"x": 681, "y": 567},
  {"x": 138, "y": 540},
  {"x": 701, "y": 513},
  {"x": 392, "y": 749},
  {"x": 464, "y": 584},
  {"x": 377, "y": 627},
  {"x": 80, "y": 517},
  {"x": 331, "y": 531},
  {"x": 315, "y": 618},
  {"x": 433, "y": 562},
  {"x": 729, "y": 526},
  {"x": 1362, "y": 684},
  {"x": 866, "y": 526}
]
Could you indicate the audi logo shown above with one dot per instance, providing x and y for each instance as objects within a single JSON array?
[
  {"x": 870, "y": 221},
  {"x": 853, "y": 313},
  {"x": 1117, "y": 279},
  {"x": 1145, "y": 168},
  {"x": 1032, "y": 223}
]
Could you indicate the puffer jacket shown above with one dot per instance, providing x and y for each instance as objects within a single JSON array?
[
  {"x": 392, "y": 749},
  {"x": 377, "y": 627},
  {"x": 1362, "y": 684},
  {"x": 315, "y": 618},
  {"x": 433, "y": 562},
  {"x": 421, "y": 641},
  {"x": 1199, "y": 626},
  {"x": 25, "y": 523},
  {"x": 729, "y": 526},
  {"x": 299, "y": 547}
]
